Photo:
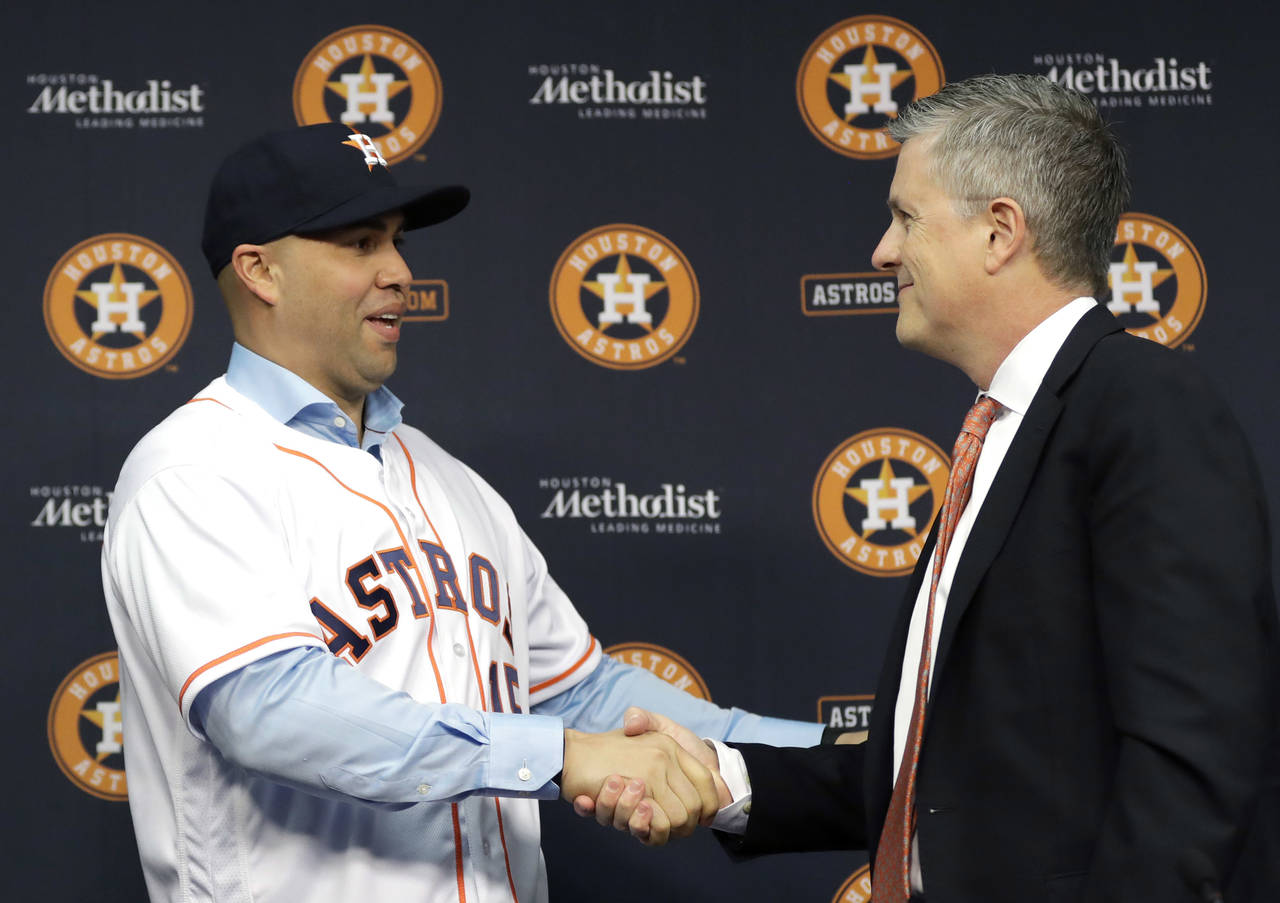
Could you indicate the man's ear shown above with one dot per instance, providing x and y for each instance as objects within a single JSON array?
[
  {"x": 252, "y": 265},
  {"x": 1006, "y": 233}
]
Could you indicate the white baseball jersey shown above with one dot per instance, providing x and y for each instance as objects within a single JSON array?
[{"x": 232, "y": 537}]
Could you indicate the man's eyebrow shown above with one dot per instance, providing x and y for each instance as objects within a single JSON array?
[{"x": 893, "y": 205}]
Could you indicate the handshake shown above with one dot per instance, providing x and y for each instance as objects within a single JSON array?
[{"x": 654, "y": 778}]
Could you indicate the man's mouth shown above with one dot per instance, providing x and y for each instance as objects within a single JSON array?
[{"x": 385, "y": 325}]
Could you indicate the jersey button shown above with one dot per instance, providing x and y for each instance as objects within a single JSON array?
[
  {"x": 486, "y": 847},
  {"x": 339, "y": 422},
  {"x": 524, "y": 774},
  {"x": 424, "y": 789},
  {"x": 458, "y": 650}
]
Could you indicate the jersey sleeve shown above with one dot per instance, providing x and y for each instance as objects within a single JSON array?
[
  {"x": 200, "y": 565},
  {"x": 562, "y": 651}
]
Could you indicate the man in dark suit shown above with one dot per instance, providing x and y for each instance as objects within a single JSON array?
[{"x": 1099, "y": 679}]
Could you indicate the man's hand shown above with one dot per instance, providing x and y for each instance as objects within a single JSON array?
[
  {"x": 681, "y": 790},
  {"x": 623, "y": 804}
]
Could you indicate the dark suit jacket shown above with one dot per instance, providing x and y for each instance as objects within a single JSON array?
[{"x": 1105, "y": 687}]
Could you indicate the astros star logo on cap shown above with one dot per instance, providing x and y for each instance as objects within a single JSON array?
[{"x": 365, "y": 145}]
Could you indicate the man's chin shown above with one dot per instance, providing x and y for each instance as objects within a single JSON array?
[
  {"x": 913, "y": 337},
  {"x": 902, "y": 330},
  {"x": 378, "y": 371}
]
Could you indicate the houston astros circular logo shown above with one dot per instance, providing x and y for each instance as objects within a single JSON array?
[
  {"x": 662, "y": 662},
  {"x": 373, "y": 78},
  {"x": 85, "y": 730},
  {"x": 1157, "y": 280},
  {"x": 118, "y": 305},
  {"x": 855, "y": 77},
  {"x": 857, "y": 889},
  {"x": 875, "y": 499},
  {"x": 624, "y": 297}
]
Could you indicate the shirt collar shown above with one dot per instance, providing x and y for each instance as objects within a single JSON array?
[
  {"x": 1020, "y": 374},
  {"x": 285, "y": 395}
]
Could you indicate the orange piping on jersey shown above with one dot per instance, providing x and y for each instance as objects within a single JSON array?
[
  {"x": 413, "y": 483},
  {"x": 559, "y": 677},
  {"x": 475, "y": 664},
  {"x": 214, "y": 400},
  {"x": 457, "y": 855},
  {"x": 230, "y": 655},
  {"x": 506, "y": 857},
  {"x": 409, "y": 549}
]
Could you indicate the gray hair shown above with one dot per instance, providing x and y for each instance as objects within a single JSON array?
[{"x": 1027, "y": 138}]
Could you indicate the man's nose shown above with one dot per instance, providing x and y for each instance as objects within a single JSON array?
[
  {"x": 885, "y": 256},
  {"x": 395, "y": 273}
]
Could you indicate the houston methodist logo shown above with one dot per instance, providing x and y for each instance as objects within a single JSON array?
[
  {"x": 1157, "y": 280},
  {"x": 875, "y": 498},
  {"x": 86, "y": 734},
  {"x": 624, "y": 297},
  {"x": 662, "y": 662},
  {"x": 375, "y": 79},
  {"x": 118, "y": 305},
  {"x": 80, "y": 506},
  {"x": 855, "y": 77}
]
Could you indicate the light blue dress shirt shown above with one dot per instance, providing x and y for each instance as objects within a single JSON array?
[{"x": 307, "y": 719}]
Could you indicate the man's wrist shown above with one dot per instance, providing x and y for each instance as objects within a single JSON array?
[{"x": 732, "y": 819}]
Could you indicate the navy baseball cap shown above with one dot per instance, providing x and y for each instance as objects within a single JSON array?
[{"x": 310, "y": 179}]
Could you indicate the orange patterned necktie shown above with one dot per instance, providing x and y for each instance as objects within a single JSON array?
[{"x": 892, "y": 882}]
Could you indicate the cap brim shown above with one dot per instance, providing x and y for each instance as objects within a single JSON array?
[{"x": 421, "y": 207}]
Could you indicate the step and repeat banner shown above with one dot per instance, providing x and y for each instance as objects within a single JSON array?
[{"x": 656, "y": 330}]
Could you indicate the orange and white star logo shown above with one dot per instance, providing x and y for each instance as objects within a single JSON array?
[
  {"x": 624, "y": 297},
  {"x": 118, "y": 305},
  {"x": 875, "y": 498},
  {"x": 856, "y": 75},
  {"x": 1158, "y": 284},
  {"x": 377, "y": 80}
]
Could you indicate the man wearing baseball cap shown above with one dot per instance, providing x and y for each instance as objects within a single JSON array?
[{"x": 346, "y": 671}]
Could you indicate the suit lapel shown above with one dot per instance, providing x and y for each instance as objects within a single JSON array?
[{"x": 1016, "y": 471}]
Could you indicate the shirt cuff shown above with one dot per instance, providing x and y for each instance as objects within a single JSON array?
[
  {"x": 526, "y": 752},
  {"x": 732, "y": 819}
]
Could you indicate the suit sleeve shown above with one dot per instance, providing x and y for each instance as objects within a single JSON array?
[
  {"x": 802, "y": 800},
  {"x": 1186, "y": 618}
]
